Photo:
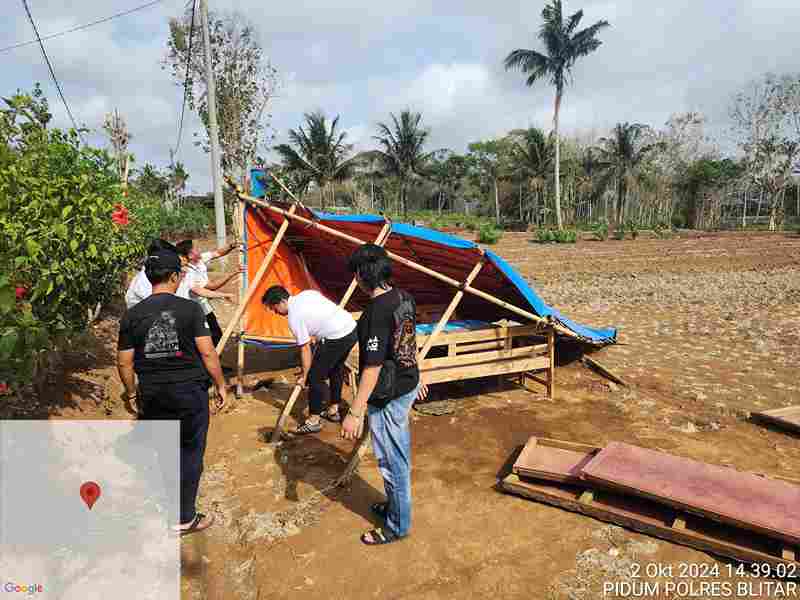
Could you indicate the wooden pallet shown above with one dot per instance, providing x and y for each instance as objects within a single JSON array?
[
  {"x": 653, "y": 518},
  {"x": 556, "y": 472},
  {"x": 785, "y": 418}
]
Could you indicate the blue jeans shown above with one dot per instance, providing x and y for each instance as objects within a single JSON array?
[{"x": 391, "y": 443}]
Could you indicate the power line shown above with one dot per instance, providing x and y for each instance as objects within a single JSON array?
[
  {"x": 186, "y": 80},
  {"x": 49, "y": 66},
  {"x": 79, "y": 27}
]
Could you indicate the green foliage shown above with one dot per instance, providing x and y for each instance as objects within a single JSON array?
[
  {"x": 600, "y": 230},
  {"x": 564, "y": 236},
  {"x": 544, "y": 236},
  {"x": 633, "y": 227},
  {"x": 662, "y": 230},
  {"x": 489, "y": 234},
  {"x": 619, "y": 233},
  {"x": 57, "y": 236}
]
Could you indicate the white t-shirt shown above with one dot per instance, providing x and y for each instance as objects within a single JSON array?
[
  {"x": 311, "y": 313},
  {"x": 140, "y": 288},
  {"x": 197, "y": 276}
]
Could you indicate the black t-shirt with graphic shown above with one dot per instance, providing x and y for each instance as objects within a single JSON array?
[
  {"x": 161, "y": 330},
  {"x": 387, "y": 331}
]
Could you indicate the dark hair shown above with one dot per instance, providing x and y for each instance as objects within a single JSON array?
[
  {"x": 161, "y": 265},
  {"x": 158, "y": 245},
  {"x": 372, "y": 265},
  {"x": 275, "y": 295},
  {"x": 184, "y": 247}
]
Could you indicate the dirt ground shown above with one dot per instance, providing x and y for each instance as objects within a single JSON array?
[{"x": 709, "y": 330}]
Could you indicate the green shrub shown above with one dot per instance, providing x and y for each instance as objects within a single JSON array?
[
  {"x": 489, "y": 234},
  {"x": 600, "y": 230},
  {"x": 544, "y": 236},
  {"x": 633, "y": 227},
  {"x": 662, "y": 230},
  {"x": 566, "y": 236},
  {"x": 619, "y": 233}
]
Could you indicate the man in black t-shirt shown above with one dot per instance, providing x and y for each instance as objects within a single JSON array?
[
  {"x": 388, "y": 385},
  {"x": 166, "y": 341}
]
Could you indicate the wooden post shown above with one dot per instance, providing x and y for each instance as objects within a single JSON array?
[
  {"x": 242, "y": 294},
  {"x": 380, "y": 241},
  {"x": 358, "y": 452},
  {"x": 256, "y": 280},
  {"x": 551, "y": 369},
  {"x": 287, "y": 409},
  {"x": 449, "y": 311}
]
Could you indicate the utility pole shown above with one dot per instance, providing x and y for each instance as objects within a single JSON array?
[{"x": 213, "y": 129}]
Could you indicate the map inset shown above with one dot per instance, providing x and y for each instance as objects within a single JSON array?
[{"x": 52, "y": 545}]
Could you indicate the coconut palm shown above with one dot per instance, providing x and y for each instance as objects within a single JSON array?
[
  {"x": 563, "y": 45},
  {"x": 621, "y": 158},
  {"x": 532, "y": 154},
  {"x": 401, "y": 150},
  {"x": 317, "y": 153}
]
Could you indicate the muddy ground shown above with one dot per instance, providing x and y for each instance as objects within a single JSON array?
[{"x": 709, "y": 330}]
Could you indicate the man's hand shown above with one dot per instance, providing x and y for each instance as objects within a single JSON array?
[
  {"x": 221, "y": 398},
  {"x": 423, "y": 391},
  {"x": 301, "y": 378},
  {"x": 130, "y": 401},
  {"x": 352, "y": 427}
]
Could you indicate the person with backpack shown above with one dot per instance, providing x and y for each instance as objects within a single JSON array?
[{"x": 389, "y": 383}]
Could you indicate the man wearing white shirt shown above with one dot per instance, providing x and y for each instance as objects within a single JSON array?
[
  {"x": 200, "y": 288},
  {"x": 140, "y": 287},
  {"x": 310, "y": 315}
]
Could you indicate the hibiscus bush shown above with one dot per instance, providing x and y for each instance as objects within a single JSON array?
[{"x": 66, "y": 236}]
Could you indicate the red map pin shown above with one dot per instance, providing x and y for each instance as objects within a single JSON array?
[{"x": 90, "y": 492}]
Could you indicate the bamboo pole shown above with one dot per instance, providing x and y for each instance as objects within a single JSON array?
[
  {"x": 242, "y": 294},
  {"x": 262, "y": 270},
  {"x": 412, "y": 265},
  {"x": 449, "y": 311},
  {"x": 287, "y": 409},
  {"x": 380, "y": 241}
]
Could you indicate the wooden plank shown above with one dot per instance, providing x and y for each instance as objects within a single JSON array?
[
  {"x": 649, "y": 518},
  {"x": 485, "y": 334},
  {"x": 744, "y": 500},
  {"x": 475, "y": 358},
  {"x": 498, "y": 367},
  {"x": 603, "y": 370},
  {"x": 785, "y": 418},
  {"x": 379, "y": 241},
  {"x": 474, "y": 347},
  {"x": 543, "y": 461},
  {"x": 551, "y": 367}
]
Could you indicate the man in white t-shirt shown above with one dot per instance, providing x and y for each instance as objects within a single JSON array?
[
  {"x": 200, "y": 288},
  {"x": 140, "y": 287},
  {"x": 310, "y": 315}
]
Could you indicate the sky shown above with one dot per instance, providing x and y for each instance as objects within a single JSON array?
[{"x": 363, "y": 60}]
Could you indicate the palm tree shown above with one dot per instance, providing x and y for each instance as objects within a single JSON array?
[
  {"x": 532, "y": 156},
  {"x": 317, "y": 153},
  {"x": 620, "y": 159},
  {"x": 401, "y": 150},
  {"x": 564, "y": 46}
]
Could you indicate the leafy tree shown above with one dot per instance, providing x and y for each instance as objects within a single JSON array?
[
  {"x": 245, "y": 80},
  {"x": 318, "y": 153},
  {"x": 532, "y": 154},
  {"x": 401, "y": 149},
  {"x": 621, "y": 158},
  {"x": 563, "y": 47},
  {"x": 491, "y": 161}
]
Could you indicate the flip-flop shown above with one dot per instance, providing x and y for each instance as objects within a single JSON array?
[
  {"x": 378, "y": 537},
  {"x": 197, "y": 524}
]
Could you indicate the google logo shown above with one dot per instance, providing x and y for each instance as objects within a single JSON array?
[{"x": 23, "y": 589}]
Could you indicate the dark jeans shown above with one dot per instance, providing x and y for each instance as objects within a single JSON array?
[
  {"x": 188, "y": 403},
  {"x": 216, "y": 330},
  {"x": 328, "y": 363}
]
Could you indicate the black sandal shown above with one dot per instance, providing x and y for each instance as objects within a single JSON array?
[
  {"x": 378, "y": 537},
  {"x": 195, "y": 526},
  {"x": 379, "y": 509},
  {"x": 333, "y": 417}
]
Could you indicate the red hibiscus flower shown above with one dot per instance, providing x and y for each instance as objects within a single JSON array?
[
  {"x": 20, "y": 292},
  {"x": 3, "y": 389},
  {"x": 120, "y": 215}
]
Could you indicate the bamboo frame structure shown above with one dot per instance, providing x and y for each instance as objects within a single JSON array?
[{"x": 360, "y": 447}]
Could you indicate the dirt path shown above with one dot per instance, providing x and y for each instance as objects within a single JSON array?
[{"x": 708, "y": 330}]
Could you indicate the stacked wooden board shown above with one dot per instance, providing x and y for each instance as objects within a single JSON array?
[
  {"x": 786, "y": 418},
  {"x": 744, "y": 516}
]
